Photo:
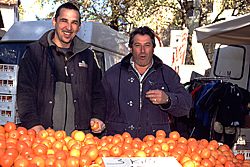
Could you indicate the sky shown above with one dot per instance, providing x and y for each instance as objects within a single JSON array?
[{"x": 31, "y": 10}]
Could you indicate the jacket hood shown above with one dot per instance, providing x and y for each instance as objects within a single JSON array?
[
  {"x": 79, "y": 44},
  {"x": 125, "y": 62}
]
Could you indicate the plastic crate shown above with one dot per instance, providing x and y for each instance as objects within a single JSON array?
[
  {"x": 7, "y": 102},
  {"x": 242, "y": 147},
  {"x": 8, "y": 78},
  {"x": 8, "y": 109},
  {"x": 8, "y": 116},
  {"x": 246, "y": 153}
]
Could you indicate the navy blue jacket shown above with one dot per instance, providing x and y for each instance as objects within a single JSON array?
[
  {"x": 36, "y": 85},
  {"x": 127, "y": 107}
]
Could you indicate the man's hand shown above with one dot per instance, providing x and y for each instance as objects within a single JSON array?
[
  {"x": 100, "y": 125},
  {"x": 157, "y": 96},
  {"x": 38, "y": 128}
]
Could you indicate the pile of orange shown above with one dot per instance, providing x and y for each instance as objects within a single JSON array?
[{"x": 20, "y": 147}]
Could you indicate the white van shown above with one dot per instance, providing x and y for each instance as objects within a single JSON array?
[
  {"x": 109, "y": 45},
  {"x": 232, "y": 62},
  {"x": 231, "y": 58}
]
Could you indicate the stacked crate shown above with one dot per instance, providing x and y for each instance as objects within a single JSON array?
[
  {"x": 8, "y": 84},
  {"x": 242, "y": 146}
]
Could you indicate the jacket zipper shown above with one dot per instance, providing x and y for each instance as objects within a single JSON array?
[
  {"x": 66, "y": 94},
  {"x": 65, "y": 67},
  {"x": 147, "y": 123},
  {"x": 141, "y": 85}
]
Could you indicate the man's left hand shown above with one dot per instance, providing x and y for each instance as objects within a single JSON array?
[{"x": 101, "y": 125}]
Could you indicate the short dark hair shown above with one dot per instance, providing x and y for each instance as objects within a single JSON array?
[
  {"x": 145, "y": 30},
  {"x": 68, "y": 5}
]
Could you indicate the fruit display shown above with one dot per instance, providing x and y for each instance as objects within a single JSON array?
[{"x": 20, "y": 147}]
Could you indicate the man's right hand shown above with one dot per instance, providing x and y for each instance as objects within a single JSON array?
[{"x": 38, "y": 128}]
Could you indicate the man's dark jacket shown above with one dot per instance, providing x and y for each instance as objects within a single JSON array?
[
  {"x": 36, "y": 85},
  {"x": 129, "y": 110}
]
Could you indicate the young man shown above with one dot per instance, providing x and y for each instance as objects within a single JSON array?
[
  {"x": 59, "y": 81},
  {"x": 142, "y": 91}
]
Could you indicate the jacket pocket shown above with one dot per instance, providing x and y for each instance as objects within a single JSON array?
[
  {"x": 165, "y": 127},
  {"x": 158, "y": 85}
]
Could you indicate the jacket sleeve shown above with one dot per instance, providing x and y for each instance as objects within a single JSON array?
[
  {"x": 181, "y": 100},
  {"x": 27, "y": 90},
  {"x": 98, "y": 94}
]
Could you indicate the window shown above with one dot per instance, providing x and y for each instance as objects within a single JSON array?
[
  {"x": 11, "y": 53},
  {"x": 230, "y": 61}
]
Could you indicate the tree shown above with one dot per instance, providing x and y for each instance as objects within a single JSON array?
[{"x": 161, "y": 15}]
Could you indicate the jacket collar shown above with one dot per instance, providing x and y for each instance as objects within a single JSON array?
[
  {"x": 125, "y": 62},
  {"x": 79, "y": 45}
]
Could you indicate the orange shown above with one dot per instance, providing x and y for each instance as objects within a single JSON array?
[
  {"x": 164, "y": 146},
  {"x": 103, "y": 153},
  {"x": 61, "y": 155},
  {"x": 51, "y": 132},
  {"x": 160, "y": 139},
  {"x": 184, "y": 159},
  {"x": 21, "y": 162},
  {"x": 75, "y": 152},
  {"x": 22, "y": 130},
  {"x": 174, "y": 135},
  {"x": 12, "y": 152},
  {"x": 59, "y": 163},
  {"x": 38, "y": 161},
  {"x": 126, "y": 134},
  {"x": 149, "y": 137},
  {"x": 50, "y": 161},
  {"x": 9, "y": 126},
  {"x": 116, "y": 151},
  {"x": 2, "y": 130},
  {"x": 89, "y": 135},
  {"x": 203, "y": 142},
  {"x": 240, "y": 157},
  {"x": 206, "y": 162},
  {"x": 42, "y": 134},
  {"x": 140, "y": 153},
  {"x": 95, "y": 126},
  {"x": 116, "y": 139},
  {"x": 70, "y": 143},
  {"x": 72, "y": 162},
  {"x": 160, "y": 133},
  {"x": 79, "y": 136},
  {"x": 182, "y": 140},
  {"x": 188, "y": 163},
  {"x": 128, "y": 153},
  {"x": 57, "y": 145},
  {"x": 205, "y": 153},
  {"x": 6, "y": 161},
  {"x": 40, "y": 149},
  {"x": 2, "y": 144},
  {"x": 159, "y": 154},
  {"x": 85, "y": 161},
  {"x": 60, "y": 134},
  {"x": 92, "y": 153},
  {"x": 50, "y": 152}
]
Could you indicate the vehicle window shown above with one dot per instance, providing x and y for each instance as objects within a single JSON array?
[
  {"x": 234, "y": 68},
  {"x": 11, "y": 53}
]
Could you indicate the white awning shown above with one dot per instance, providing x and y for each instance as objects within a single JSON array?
[{"x": 231, "y": 31}]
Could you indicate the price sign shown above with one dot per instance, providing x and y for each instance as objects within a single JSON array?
[{"x": 140, "y": 162}]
